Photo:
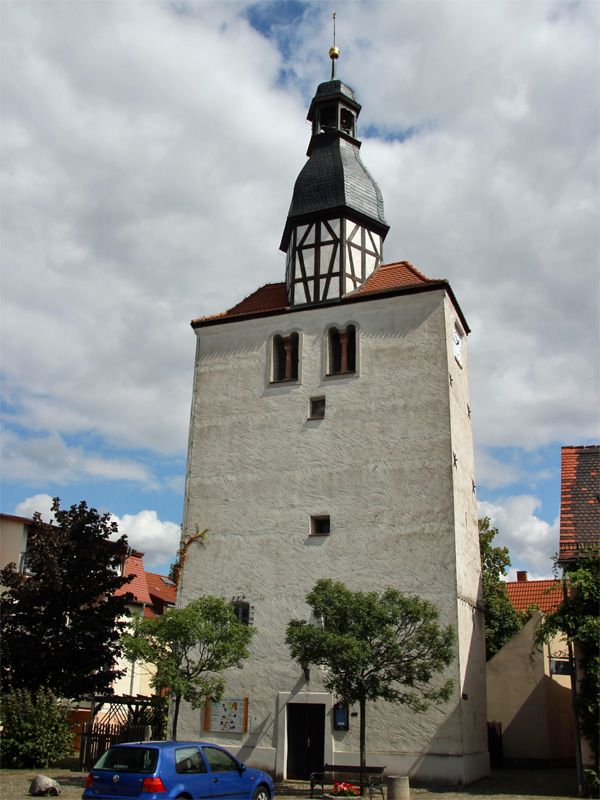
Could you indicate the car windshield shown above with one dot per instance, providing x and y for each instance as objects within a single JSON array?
[{"x": 129, "y": 759}]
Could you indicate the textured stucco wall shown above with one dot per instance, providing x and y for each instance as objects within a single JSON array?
[{"x": 380, "y": 464}]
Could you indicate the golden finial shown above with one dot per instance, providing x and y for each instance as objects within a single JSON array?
[{"x": 334, "y": 52}]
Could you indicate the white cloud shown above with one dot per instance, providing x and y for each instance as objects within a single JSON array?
[
  {"x": 41, "y": 503},
  {"x": 530, "y": 540},
  {"x": 158, "y": 540},
  {"x": 47, "y": 459},
  {"x": 143, "y": 186}
]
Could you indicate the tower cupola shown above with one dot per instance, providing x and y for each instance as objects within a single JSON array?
[{"x": 335, "y": 227}]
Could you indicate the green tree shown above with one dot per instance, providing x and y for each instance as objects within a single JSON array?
[
  {"x": 374, "y": 646},
  {"x": 36, "y": 730},
  {"x": 61, "y": 621},
  {"x": 188, "y": 647},
  {"x": 577, "y": 620},
  {"x": 502, "y": 622}
]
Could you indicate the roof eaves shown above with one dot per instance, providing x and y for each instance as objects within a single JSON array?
[{"x": 443, "y": 284}]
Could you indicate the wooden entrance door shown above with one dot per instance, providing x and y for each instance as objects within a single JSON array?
[{"x": 306, "y": 739}]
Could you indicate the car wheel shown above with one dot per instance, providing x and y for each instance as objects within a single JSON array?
[{"x": 261, "y": 793}]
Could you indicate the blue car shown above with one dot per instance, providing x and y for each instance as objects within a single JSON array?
[{"x": 186, "y": 770}]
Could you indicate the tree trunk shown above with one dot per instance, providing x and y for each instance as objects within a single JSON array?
[
  {"x": 363, "y": 757},
  {"x": 175, "y": 717}
]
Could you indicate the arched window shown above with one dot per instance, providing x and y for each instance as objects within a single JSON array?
[
  {"x": 341, "y": 350},
  {"x": 285, "y": 358}
]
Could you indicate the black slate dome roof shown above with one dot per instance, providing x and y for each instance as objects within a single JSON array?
[
  {"x": 335, "y": 176},
  {"x": 334, "y": 180}
]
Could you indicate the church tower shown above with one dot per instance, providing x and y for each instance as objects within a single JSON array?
[{"x": 330, "y": 436}]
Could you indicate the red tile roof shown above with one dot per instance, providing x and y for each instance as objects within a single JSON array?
[
  {"x": 579, "y": 501},
  {"x": 157, "y": 586},
  {"x": 272, "y": 298},
  {"x": 394, "y": 276},
  {"x": 546, "y": 595},
  {"x": 134, "y": 565},
  {"x": 149, "y": 589}
]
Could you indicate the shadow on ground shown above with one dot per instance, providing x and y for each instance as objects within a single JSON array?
[{"x": 503, "y": 784}]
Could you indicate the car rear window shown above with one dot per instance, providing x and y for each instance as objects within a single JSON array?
[{"x": 129, "y": 759}]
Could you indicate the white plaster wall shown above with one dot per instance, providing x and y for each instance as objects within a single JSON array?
[
  {"x": 380, "y": 464},
  {"x": 470, "y": 619}
]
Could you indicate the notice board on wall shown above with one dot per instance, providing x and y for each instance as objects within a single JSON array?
[{"x": 228, "y": 715}]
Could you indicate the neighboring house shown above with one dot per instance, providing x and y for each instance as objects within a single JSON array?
[
  {"x": 152, "y": 595},
  {"x": 579, "y": 518},
  {"x": 330, "y": 436},
  {"x": 528, "y": 687},
  {"x": 13, "y": 540},
  {"x": 579, "y": 502}
]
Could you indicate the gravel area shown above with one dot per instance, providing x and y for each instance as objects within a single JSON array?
[{"x": 504, "y": 784}]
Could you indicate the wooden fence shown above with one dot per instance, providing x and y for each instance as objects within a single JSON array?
[{"x": 97, "y": 737}]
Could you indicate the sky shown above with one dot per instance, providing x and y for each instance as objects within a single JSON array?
[{"x": 149, "y": 151}]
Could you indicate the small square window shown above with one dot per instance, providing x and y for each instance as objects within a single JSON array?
[
  {"x": 243, "y": 610},
  {"x": 320, "y": 525},
  {"x": 317, "y": 408}
]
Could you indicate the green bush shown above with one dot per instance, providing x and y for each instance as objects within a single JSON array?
[{"x": 36, "y": 730}]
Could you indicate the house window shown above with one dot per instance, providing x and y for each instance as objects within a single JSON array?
[
  {"x": 560, "y": 666},
  {"x": 317, "y": 408},
  {"x": 341, "y": 350},
  {"x": 320, "y": 525},
  {"x": 243, "y": 610},
  {"x": 285, "y": 358}
]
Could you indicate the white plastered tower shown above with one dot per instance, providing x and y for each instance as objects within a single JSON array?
[{"x": 330, "y": 436}]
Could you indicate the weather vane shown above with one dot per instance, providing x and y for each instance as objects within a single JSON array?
[{"x": 334, "y": 52}]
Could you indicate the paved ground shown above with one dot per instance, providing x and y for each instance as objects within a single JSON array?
[{"x": 504, "y": 784}]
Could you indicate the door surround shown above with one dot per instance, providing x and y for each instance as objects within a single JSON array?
[{"x": 283, "y": 698}]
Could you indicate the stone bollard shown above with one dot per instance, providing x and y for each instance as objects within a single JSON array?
[{"x": 398, "y": 787}]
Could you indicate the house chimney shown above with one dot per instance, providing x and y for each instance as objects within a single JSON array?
[{"x": 522, "y": 576}]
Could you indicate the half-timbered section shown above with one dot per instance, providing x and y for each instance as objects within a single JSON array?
[{"x": 335, "y": 228}]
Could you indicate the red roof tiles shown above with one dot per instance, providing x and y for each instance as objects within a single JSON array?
[
  {"x": 152, "y": 591},
  {"x": 546, "y": 595},
  {"x": 579, "y": 501},
  {"x": 394, "y": 276},
  {"x": 387, "y": 279},
  {"x": 159, "y": 588},
  {"x": 134, "y": 565}
]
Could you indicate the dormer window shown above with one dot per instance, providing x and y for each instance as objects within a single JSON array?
[
  {"x": 341, "y": 355},
  {"x": 285, "y": 358}
]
